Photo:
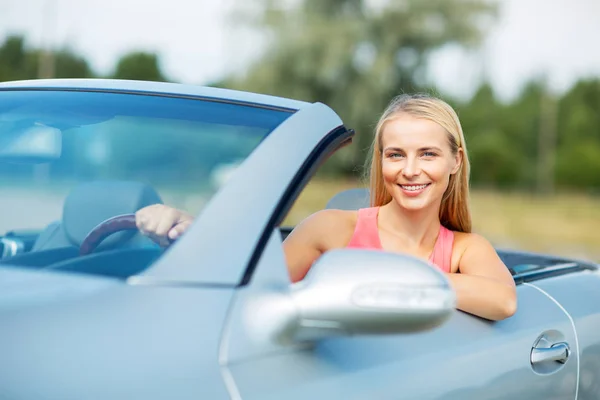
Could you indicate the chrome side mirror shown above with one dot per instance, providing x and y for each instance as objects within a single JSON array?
[{"x": 368, "y": 292}]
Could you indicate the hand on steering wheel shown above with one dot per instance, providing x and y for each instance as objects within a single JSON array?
[{"x": 125, "y": 222}]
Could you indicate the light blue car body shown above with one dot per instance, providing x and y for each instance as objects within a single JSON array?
[{"x": 181, "y": 329}]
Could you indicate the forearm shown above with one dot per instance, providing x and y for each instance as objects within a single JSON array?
[{"x": 484, "y": 297}]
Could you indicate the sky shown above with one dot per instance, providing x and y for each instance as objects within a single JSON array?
[{"x": 198, "y": 43}]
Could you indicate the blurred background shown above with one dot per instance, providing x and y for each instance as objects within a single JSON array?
[{"x": 523, "y": 75}]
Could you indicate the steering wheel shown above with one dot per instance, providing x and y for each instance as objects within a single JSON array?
[{"x": 104, "y": 229}]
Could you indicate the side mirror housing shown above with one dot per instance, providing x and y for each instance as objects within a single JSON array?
[{"x": 368, "y": 292}]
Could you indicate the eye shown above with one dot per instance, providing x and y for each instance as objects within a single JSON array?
[
  {"x": 394, "y": 155},
  {"x": 429, "y": 154}
]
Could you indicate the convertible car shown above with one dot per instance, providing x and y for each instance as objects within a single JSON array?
[{"x": 91, "y": 309}]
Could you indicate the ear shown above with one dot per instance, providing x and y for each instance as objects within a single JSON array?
[{"x": 458, "y": 158}]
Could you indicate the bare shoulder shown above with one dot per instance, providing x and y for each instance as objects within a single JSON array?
[
  {"x": 331, "y": 220},
  {"x": 464, "y": 240},
  {"x": 466, "y": 244},
  {"x": 327, "y": 228},
  {"x": 333, "y": 216}
]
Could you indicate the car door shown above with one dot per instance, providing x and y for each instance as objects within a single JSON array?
[
  {"x": 578, "y": 291},
  {"x": 466, "y": 358}
]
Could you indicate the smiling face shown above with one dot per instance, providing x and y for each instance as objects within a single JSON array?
[{"x": 416, "y": 161}]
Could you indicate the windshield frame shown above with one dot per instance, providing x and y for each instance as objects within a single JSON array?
[{"x": 164, "y": 89}]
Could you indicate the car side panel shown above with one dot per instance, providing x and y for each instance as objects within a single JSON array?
[
  {"x": 466, "y": 358},
  {"x": 114, "y": 342},
  {"x": 579, "y": 294}
]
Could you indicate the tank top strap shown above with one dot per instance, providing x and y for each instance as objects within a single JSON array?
[
  {"x": 366, "y": 232},
  {"x": 442, "y": 252}
]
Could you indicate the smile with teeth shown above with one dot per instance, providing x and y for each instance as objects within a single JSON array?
[{"x": 414, "y": 188}]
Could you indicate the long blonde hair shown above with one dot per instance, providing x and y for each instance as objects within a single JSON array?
[{"x": 454, "y": 212}]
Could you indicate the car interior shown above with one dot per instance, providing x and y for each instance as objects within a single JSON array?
[
  {"x": 126, "y": 253},
  {"x": 57, "y": 246}
]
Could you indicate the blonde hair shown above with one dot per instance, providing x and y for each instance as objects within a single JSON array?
[{"x": 454, "y": 212}]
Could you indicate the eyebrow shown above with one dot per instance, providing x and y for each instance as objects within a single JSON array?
[{"x": 420, "y": 149}]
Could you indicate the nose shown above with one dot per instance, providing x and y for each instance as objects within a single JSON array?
[{"x": 411, "y": 167}]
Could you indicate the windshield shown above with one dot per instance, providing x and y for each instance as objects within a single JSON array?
[{"x": 52, "y": 142}]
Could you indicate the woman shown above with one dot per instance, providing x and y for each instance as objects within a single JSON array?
[{"x": 419, "y": 206}]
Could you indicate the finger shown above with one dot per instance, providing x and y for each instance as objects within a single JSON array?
[
  {"x": 140, "y": 219},
  {"x": 144, "y": 214},
  {"x": 178, "y": 230},
  {"x": 166, "y": 222},
  {"x": 150, "y": 225},
  {"x": 173, "y": 233}
]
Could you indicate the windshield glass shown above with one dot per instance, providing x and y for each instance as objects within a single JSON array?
[{"x": 52, "y": 142}]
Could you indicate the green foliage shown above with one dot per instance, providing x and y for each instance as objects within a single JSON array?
[
  {"x": 12, "y": 59},
  {"x": 18, "y": 62},
  {"x": 139, "y": 66},
  {"x": 501, "y": 139},
  {"x": 578, "y": 153},
  {"x": 579, "y": 113},
  {"x": 69, "y": 65},
  {"x": 578, "y": 165},
  {"x": 353, "y": 57},
  {"x": 493, "y": 159},
  {"x": 505, "y": 142}
]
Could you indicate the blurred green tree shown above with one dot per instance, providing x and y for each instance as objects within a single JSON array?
[
  {"x": 139, "y": 66},
  {"x": 13, "y": 59},
  {"x": 19, "y": 62},
  {"x": 578, "y": 155},
  {"x": 495, "y": 155},
  {"x": 354, "y": 55},
  {"x": 58, "y": 64}
]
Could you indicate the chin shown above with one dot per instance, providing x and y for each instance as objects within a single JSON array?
[
  {"x": 423, "y": 201},
  {"x": 412, "y": 204}
]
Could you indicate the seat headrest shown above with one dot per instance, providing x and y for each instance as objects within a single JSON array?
[
  {"x": 92, "y": 203},
  {"x": 351, "y": 199}
]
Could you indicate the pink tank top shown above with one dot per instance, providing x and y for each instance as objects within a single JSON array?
[{"x": 366, "y": 235}]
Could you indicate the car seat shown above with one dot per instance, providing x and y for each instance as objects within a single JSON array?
[{"x": 351, "y": 199}]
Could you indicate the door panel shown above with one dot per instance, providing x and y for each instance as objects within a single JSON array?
[
  {"x": 579, "y": 294},
  {"x": 82, "y": 337},
  {"x": 466, "y": 358}
]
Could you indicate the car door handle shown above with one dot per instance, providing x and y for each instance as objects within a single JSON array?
[{"x": 558, "y": 352}]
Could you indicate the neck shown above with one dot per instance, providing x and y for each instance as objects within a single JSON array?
[{"x": 420, "y": 227}]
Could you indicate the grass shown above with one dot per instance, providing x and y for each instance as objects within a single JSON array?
[{"x": 562, "y": 224}]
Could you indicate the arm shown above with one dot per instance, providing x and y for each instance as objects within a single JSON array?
[
  {"x": 484, "y": 286},
  {"x": 315, "y": 235}
]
